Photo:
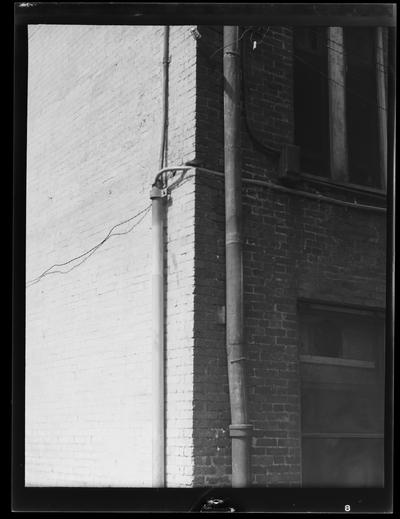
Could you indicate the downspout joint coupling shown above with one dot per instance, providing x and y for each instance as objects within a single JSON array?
[
  {"x": 240, "y": 430},
  {"x": 156, "y": 192}
]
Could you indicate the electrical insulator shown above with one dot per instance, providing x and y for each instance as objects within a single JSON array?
[{"x": 195, "y": 33}]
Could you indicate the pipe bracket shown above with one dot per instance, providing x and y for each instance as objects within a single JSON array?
[
  {"x": 156, "y": 192},
  {"x": 240, "y": 430},
  {"x": 233, "y": 53},
  {"x": 240, "y": 359},
  {"x": 233, "y": 238}
]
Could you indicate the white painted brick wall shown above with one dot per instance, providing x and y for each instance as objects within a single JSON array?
[{"x": 94, "y": 120}]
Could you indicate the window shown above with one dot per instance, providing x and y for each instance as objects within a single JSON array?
[
  {"x": 311, "y": 99},
  {"x": 339, "y": 103},
  {"x": 361, "y": 115},
  {"x": 341, "y": 354}
]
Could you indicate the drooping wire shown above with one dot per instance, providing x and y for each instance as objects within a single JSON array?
[
  {"x": 351, "y": 72},
  {"x": 256, "y": 142},
  {"x": 270, "y": 151},
  {"x": 86, "y": 255},
  {"x": 216, "y": 31},
  {"x": 345, "y": 51},
  {"x": 230, "y": 43},
  {"x": 356, "y": 94},
  {"x": 362, "y": 98},
  {"x": 381, "y": 66}
]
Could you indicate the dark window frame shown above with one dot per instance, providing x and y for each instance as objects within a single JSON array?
[
  {"x": 312, "y": 156},
  {"x": 374, "y": 367},
  {"x": 375, "y": 187}
]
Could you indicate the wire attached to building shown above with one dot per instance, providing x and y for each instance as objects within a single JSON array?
[
  {"x": 258, "y": 144},
  {"x": 228, "y": 44},
  {"x": 346, "y": 52},
  {"x": 88, "y": 253},
  {"x": 267, "y": 150},
  {"x": 351, "y": 91},
  {"x": 356, "y": 94},
  {"x": 369, "y": 102},
  {"x": 276, "y": 187}
]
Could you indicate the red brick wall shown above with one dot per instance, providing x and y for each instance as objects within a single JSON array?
[
  {"x": 211, "y": 400},
  {"x": 293, "y": 247}
]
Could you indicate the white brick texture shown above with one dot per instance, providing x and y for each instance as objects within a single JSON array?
[{"x": 94, "y": 126}]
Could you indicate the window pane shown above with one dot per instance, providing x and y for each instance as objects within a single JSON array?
[
  {"x": 311, "y": 99},
  {"x": 350, "y": 409},
  {"x": 337, "y": 334},
  {"x": 342, "y": 381},
  {"x": 361, "y": 107},
  {"x": 338, "y": 462},
  {"x": 326, "y": 373},
  {"x": 359, "y": 337},
  {"x": 326, "y": 338}
]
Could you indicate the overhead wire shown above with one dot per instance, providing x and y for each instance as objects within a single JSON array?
[
  {"x": 271, "y": 151},
  {"x": 219, "y": 31},
  {"x": 262, "y": 147},
  {"x": 355, "y": 74},
  {"x": 186, "y": 178},
  {"x": 356, "y": 94},
  {"x": 362, "y": 98},
  {"x": 345, "y": 51},
  {"x": 291, "y": 27},
  {"x": 85, "y": 255},
  {"x": 258, "y": 29},
  {"x": 266, "y": 149},
  {"x": 315, "y": 195},
  {"x": 230, "y": 43},
  {"x": 381, "y": 66}
]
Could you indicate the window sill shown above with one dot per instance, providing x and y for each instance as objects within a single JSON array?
[
  {"x": 314, "y": 304},
  {"x": 344, "y": 435},
  {"x": 343, "y": 186},
  {"x": 335, "y": 361}
]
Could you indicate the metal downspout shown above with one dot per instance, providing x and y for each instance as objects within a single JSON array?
[
  {"x": 240, "y": 430},
  {"x": 157, "y": 207}
]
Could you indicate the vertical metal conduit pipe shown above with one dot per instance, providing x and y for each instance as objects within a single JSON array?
[
  {"x": 391, "y": 258},
  {"x": 157, "y": 207},
  {"x": 240, "y": 430},
  {"x": 158, "y": 434}
]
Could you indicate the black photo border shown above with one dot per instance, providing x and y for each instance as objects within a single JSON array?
[{"x": 267, "y": 500}]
